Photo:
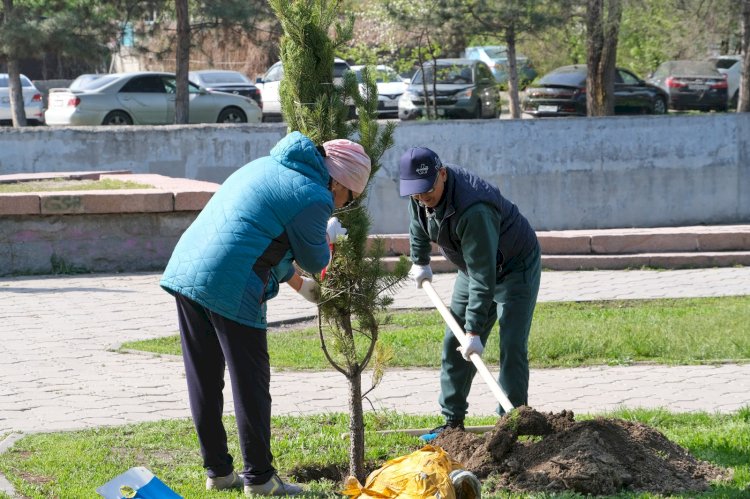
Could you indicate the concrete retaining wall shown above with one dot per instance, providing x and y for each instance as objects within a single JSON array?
[{"x": 582, "y": 173}]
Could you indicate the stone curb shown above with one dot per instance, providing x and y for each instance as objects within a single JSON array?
[{"x": 5, "y": 486}]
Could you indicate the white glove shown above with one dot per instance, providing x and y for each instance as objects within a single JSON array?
[
  {"x": 474, "y": 346},
  {"x": 310, "y": 290},
  {"x": 334, "y": 230},
  {"x": 420, "y": 273}
]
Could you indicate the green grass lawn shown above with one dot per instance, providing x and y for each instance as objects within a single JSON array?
[
  {"x": 669, "y": 331},
  {"x": 63, "y": 184},
  {"x": 71, "y": 465}
]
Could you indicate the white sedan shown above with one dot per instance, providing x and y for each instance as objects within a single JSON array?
[
  {"x": 32, "y": 101},
  {"x": 143, "y": 98}
]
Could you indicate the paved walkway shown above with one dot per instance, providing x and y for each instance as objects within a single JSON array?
[{"x": 58, "y": 369}]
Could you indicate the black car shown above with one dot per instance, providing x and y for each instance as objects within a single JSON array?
[
  {"x": 692, "y": 85},
  {"x": 231, "y": 82},
  {"x": 562, "y": 92}
]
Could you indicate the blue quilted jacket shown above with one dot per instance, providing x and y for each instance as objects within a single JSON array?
[{"x": 267, "y": 214}]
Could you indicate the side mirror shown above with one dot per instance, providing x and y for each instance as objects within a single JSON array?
[{"x": 258, "y": 80}]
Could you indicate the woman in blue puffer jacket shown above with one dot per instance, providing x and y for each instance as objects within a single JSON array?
[{"x": 270, "y": 213}]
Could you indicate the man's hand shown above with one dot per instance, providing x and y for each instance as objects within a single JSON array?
[
  {"x": 310, "y": 290},
  {"x": 474, "y": 345},
  {"x": 420, "y": 273},
  {"x": 334, "y": 230}
]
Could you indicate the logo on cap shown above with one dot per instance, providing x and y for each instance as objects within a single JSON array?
[{"x": 422, "y": 169}]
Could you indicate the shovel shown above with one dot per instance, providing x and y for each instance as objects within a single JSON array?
[{"x": 498, "y": 392}]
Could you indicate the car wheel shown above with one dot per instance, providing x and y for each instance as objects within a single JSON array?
[
  {"x": 660, "y": 106},
  {"x": 232, "y": 115},
  {"x": 477, "y": 115},
  {"x": 117, "y": 118}
]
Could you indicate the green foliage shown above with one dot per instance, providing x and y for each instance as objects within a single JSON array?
[
  {"x": 78, "y": 28},
  {"x": 310, "y": 102}
]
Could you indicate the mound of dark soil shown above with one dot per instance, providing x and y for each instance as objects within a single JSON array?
[{"x": 597, "y": 457}]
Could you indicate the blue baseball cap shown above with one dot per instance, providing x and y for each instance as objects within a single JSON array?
[{"x": 418, "y": 168}]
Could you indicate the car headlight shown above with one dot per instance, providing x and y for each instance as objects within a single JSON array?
[
  {"x": 465, "y": 94},
  {"x": 407, "y": 96},
  {"x": 405, "y": 101}
]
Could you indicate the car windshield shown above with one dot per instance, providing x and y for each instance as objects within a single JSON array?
[
  {"x": 725, "y": 63},
  {"x": 209, "y": 78},
  {"x": 692, "y": 68},
  {"x": 381, "y": 76},
  {"x": 496, "y": 52},
  {"x": 25, "y": 82},
  {"x": 446, "y": 74},
  {"x": 339, "y": 68},
  {"x": 570, "y": 77}
]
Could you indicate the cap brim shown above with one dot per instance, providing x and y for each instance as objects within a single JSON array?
[{"x": 415, "y": 186}]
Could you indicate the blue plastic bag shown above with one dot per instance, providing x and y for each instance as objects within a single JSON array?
[{"x": 136, "y": 483}]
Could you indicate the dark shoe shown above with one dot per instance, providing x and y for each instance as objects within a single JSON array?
[
  {"x": 231, "y": 481},
  {"x": 437, "y": 431},
  {"x": 273, "y": 487}
]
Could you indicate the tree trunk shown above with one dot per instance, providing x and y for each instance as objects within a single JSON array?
[
  {"x": 743, "y": 105},
  {"x": 17, "y": 109},
  {"x": 356, "y": 428},
  {"x": 15, "y": 90},
  {"x": 515, "y": 105},
  {"x": 602, "y": 29},
  {"x": 181, "y": 105}
]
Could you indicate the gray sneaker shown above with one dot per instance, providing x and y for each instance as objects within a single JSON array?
[
  {"x": 231, "y": 481},
  {"x": 273, "y": 487}
]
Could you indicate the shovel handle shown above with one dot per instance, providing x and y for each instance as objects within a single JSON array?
[{"x": 458, "y": 332}]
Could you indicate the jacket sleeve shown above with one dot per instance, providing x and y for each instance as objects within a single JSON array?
[
  {"x": 307, "y": 237},
  {"x": 477, "y": 230},
  {"x": 420, "y": 247}
]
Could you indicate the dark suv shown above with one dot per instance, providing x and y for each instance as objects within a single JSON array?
[{"x": 462, "y": 88}]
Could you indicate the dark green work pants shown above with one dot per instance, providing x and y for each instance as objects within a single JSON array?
[{"x": 515, "y": 296}]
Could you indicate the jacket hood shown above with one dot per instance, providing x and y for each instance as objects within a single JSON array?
[{"x": 298, "y": 153}]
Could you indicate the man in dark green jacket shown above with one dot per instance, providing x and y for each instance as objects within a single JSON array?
[{"x": 499, "y": 269}]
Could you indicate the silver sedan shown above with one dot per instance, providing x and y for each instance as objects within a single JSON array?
[{"x": 144, "y": 98}]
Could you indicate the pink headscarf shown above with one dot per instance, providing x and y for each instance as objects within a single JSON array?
[{"x": 347, "y": 163}]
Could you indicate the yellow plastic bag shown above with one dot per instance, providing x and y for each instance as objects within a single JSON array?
[{"x": 422, "y": 474}]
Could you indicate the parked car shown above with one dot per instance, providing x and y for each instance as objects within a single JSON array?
[
  {"x": 33, "y": 103},
  {"x": 692, "y": 85},
  {"x": 496, "y": 58},
  {"x": 390, "y": 86},
  {"x": 562, "y": 92},
  {"x": 231, "y": 82},
  {"x": 269, "y": 87},
  {"x": 463, "y": 88},
  {"x": 144, "y": 98},
  {"x": 731, "y": 66}
]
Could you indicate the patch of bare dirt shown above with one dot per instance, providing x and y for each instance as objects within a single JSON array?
[{"x": 531, "y": 451}]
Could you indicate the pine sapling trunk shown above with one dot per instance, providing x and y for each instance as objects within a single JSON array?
[{"x": 356, "y": 428}]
